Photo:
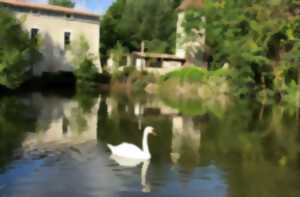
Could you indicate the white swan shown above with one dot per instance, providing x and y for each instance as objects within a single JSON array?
[{"x": 132, "y": 151}]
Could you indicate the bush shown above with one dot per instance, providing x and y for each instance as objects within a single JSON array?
[
  {"x": 87, "y": 71},
  {"x": 128, "y": 70},
  {"x": 17, "y": 52},
  {"x": 194, "y": 74},
  {"x": 185, "y": 74}
]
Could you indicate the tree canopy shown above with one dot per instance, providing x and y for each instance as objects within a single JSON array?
[
  {"x": 17, "y": 51},
  {"x": 129, "y": 22},
  {"x": 63, "y": 3},
  {"x": 259, "y": 39}
]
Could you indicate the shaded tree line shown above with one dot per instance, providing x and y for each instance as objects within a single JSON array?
[
  {"x": 63, "y": 3},
  {"x": 17, "y": 51},
  {"x": 130, "y": 22},
  {"x": 259, "y": 40}
]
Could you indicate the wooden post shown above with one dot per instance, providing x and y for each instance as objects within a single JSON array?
[
  {"x": 142, "y": 47},
  {"x": 143, "y": 51}
]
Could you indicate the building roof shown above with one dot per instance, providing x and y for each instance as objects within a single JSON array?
[
  {"x": 190, "y": 4},
  {"x": 22, "y": 3},
  {"x": 158, "y": 55}
]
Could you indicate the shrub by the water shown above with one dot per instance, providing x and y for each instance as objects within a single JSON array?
[
  {"x": 194, "y": 74},
  {"x": 85, "y": 69},
  {"x": 189, "y": 74},
  {"x": 17, "y": 51},
  {"x": 86, "y": 72}
]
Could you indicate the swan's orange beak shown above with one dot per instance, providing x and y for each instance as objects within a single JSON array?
[{"x": 154, "y": 133}]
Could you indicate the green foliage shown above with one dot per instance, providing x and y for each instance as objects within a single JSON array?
[
  {"x": 122, "y": 76},
  {"x": 109, "y": 35},
  {"x": 156, "y": 25},
  {"x": 118, "y": 54},
  {"x": 85, "y": 70},
  {"x": 63, "y": 3},
  {"x": 187, "y": 74},
  {"x": 252, "y": 36},
  {"x": 292, "y": 96},
  {"x": 135, "y": 79},
  {"x": 79, "y": 49},
  {"x": 86, "y": 97},
  {"x": 194, "y": 74},
  {"x": 192, "y": 106},
  {"x": 292, "y": 58},
  {"x": 17, "y": 52},
  {"x": 15, "y": 119},
  {"x": 128, "y": 70}
]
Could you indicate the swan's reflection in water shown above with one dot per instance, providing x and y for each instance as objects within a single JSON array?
[
  {"x": 207, "y": 154},
  {"x": 131, "y": 163}
]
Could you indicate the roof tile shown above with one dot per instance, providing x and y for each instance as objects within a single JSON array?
[{"x": 190, "y": 4}]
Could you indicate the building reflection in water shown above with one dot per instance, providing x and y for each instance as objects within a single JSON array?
[
  {"x": 185, "y": 140},
  {"x": 185, "y": 132},
  {"x": 62, "y": 121}
]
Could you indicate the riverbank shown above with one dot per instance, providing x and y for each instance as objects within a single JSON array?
[
  {"x": 58, "y": 82},
  {"x": 55, "y": 136},
  {"x": 193, "y": 83},
  {"x": 187, "y": 83}
]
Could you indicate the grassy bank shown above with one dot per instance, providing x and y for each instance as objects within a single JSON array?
[
  {"x": 193, "y": 82},
  {"x": 129, "y": 79}
]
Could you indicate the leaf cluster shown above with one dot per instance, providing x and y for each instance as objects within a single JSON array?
[
  {"x": 129, "y": 22},
  {"x": 17, "y": 51},
  {"x": 63, "y": 3},
  {"x": 254, "y": 37}
]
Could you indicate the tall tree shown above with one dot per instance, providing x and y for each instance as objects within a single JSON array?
[
  {"x": 130, "y": 22},
  {"x": 17, "y": 52},
  {"x": 109, "y": 35},
  {"x": 63, "y": 3},
  {"x": 250, "y": 35}
]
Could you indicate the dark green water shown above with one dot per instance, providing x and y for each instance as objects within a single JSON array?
[{"x": 54, "y": 145}]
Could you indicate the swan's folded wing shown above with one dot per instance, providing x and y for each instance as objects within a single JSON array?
[{"x": 128, "y": 150}]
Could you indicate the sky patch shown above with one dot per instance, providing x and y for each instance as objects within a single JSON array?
[{"x": 95, "y": 6}]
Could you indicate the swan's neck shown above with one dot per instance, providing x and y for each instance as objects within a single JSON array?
[{"x": 145, "y": 143}]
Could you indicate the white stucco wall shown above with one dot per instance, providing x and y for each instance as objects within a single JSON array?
[
  {"x": 52, "y": 111},
  {"x": 180, "y": 50},
  {"x": 52, "y": 29},
  {"x": 140, "y": 63}
]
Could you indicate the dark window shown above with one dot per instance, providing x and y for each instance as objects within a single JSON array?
[
  {"x": 68, "y": 15},
  {"x": 34, "y": 34},
  {"x": 67, "y": 39},
  {"x": 154, "y": 63},
  {"x": 35, "y": 11}
]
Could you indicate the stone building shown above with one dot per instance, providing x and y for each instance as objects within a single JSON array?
[
  {"x": 58, "y": 27},
  {"x": 190, "y": 48}
]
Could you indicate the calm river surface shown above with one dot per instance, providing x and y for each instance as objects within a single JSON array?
[{"x": 55, "y": 144}]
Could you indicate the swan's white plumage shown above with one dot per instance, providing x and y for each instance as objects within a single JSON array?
[
  {"x": 132, "y": 151},
  {"x": 128, "y": 150}
]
